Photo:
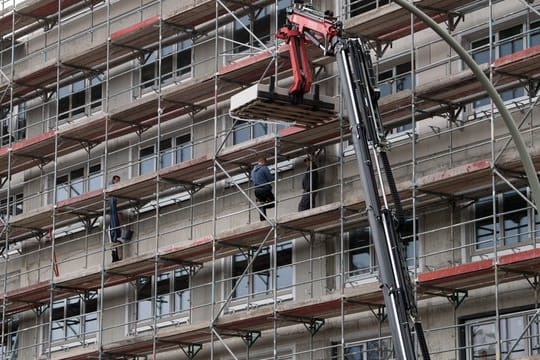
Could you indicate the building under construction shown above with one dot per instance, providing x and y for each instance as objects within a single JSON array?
[{"x": 179, "y": 99}]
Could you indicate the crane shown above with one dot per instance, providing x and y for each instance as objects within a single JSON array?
[{"x": 307, "y": 25}]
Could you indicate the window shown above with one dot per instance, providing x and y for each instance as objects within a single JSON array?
[
  {"x": 366, "y": 350},
  {"x": 79, "y": 181},
  {"x": 175, "y": 64},
  {"x": 247, "y": 130},
  {"x": 394, "y": 80},
  {"x": 259, "y": 279},
  {"x": 10, "y": 341},
  {"x": 13, "y": 125},
  {"x": 171, "y": 151},
  {"x": 357, "y": 7},
  {"x": 260, "y": 23},
  {"x": 481, "y": 341},
  {"x": 509, "y": 41},
  {"x": 74, "y": 318},
  {"x": 172, "y": 295},
  {"x": 362, "y": 259},
  {"x": 79, "y": 98},
  {"x": 511, "y": 224},
  {"x": 15, "y": 206},
  {"x": 534, "y": 35},
  {"x": 361, "y": 252}
]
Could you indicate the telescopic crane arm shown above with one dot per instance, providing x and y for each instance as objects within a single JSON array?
[{"x": 306, "y": 25}]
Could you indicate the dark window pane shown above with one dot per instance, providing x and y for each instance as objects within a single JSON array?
[
  {"x": 241, "y": 35},
  {"x": 359, "y": 251},
  {"x": 239, "y": 265},
  {"x": 534, "y": 37},
  {"x": 515, "y": 219},
  {"x": 260, "y": 129},
  {"x": 147, "y": 75},
  {"x": 241, "y": 132},
  {"x": 183, "y": 62},
  {"x": 166, "y": 67},
  {"x": 480, "y": 51},
  {"x": 485, "y": 229},
  {"x": 358, "y": 7},
  {"x": 63, "y": 108},
  {"x": 511, "y": 40},
  {"x": 285, "y": 270},
  {"x": 96, "y": 95},
  {"x": 78, "y": 100}
]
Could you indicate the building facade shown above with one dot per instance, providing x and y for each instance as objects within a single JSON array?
[{"x": 142, "y": 90}]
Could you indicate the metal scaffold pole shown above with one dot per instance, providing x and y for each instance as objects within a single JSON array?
[
  {"x": 105, "y": 185},
  {"x": 215, "y": 139},
  {"x": 8, "y": 213}
]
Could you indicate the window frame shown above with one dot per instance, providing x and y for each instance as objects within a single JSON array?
[
  {"x": 261, "y": 22},
  {"x": 358, "y": 7},
  {"x": 89, "y": 173},
  {"x": 178, "y": 299},
  {"x": 87, "y": 313},
  {"x": 168, "y": 148},
  {"x": 355, "y": 275},
  {"x": 16, "y": 205},
  {"x": 502, "y": 216},
  {"x": 80, "y": 98},
  {"x": 472, "y": 350},
  {"x": 503, "y": 37},
  {"x": 10, "y": 343},
  {"x": 251, "y": 292},
  {"x": 361, "y": 350},
  {"x": 244, "y": 131},
  {"x": 175, "y": 56}
]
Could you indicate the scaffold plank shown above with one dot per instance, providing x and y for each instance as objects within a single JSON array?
[
  {"x": 195, "y": 251},
  {"x": 232, "y": 325},
  {"x": 466, "y": 276},
  {"x": 124, "y": 45},
  {"x": 458, "y": 180},
  {"x": 391, "y": 22},
  {"x": 434, "y": 98},
  {"x": 29, "y": 12},
  {"x": 39, "y": 144},
  {"x": 522, "y": 63},
  {"x": 451, "y": 92},
  {"x": 35, "y": 219},
  {"x": 524, "y": 262},
  {"x": 480, "y": 273},
  {"x": 196, "y": 171},
  {"x": 291, "y": 143},
  {"x": 32, "y": 296},
  {"x": 195, "y": 12},
  {"x": 135, "y": 188},
  {"x": 89, "y": 204}
]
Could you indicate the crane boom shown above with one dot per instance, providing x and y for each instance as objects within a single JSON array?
[{"x": 306, "y": 25}]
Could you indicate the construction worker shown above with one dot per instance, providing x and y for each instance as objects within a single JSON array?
[
  {"x": 310, "y": 183},
  {"x": 115, "y": 230},
  {"x": 262, "y": 179}
]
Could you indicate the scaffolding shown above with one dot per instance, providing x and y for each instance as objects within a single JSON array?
[{"x": 180, "y": 99}]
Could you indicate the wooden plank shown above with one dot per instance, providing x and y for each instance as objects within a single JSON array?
[
  {"x": 463, "y": 277},
  {"x": 458, "y": 180},
  {"x": 390, "y": 22},
  {"x": 526, "y": 262},
  {"x": 258, "y": 102}
]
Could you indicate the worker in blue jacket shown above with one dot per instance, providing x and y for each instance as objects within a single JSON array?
[{"x": 262, "y": 179}]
